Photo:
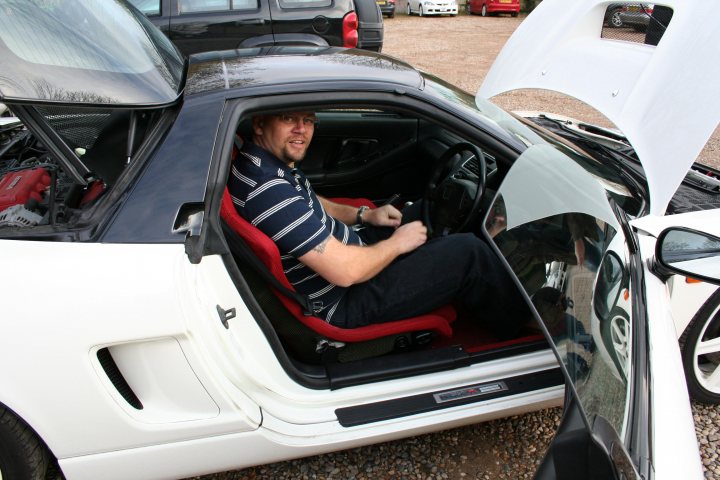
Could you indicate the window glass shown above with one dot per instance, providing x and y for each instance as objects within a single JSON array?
[
  {"x": 95, "y": 52},
  {"x": 148, "y": 7},
  {"x": 192, "y": 6},
  {"x": 636, "y": 22},
  {"x": 560, "y": 235},
  {"x": 245, "y": 4},
  {"x": 305, "y": 3}
]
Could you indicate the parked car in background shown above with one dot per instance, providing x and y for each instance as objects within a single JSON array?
[
  {"x": 371, "y": 29},
  {"x": 493, "y": 7},
  {"x": 166, "y": 334},
  {"x": 635, "y": 15},
  {"x": 387, "y": 7},
  {"x": 432, "y": 7},
  {"x": 205, "y": 25}
]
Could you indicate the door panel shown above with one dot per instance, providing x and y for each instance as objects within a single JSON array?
[
  {"x": 207, "y": 25},
  {"x": 370, "y": 154}
]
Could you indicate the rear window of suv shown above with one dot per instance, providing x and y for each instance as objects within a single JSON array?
[{"x": 193, "y": 6}]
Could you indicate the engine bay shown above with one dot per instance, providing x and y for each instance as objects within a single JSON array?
[
  {"x": 57, "y": 162},
  {"x": 34, "y": 188}
]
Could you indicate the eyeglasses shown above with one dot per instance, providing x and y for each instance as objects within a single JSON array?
[{"x": 307, "y": 120}]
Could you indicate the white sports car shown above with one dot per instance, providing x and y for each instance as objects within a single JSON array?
[
  {"x": 432, "y": 7},
  {"x": 148, "y": 331}
]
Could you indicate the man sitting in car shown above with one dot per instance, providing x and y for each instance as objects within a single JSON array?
[{"x": 384, "y": 272}]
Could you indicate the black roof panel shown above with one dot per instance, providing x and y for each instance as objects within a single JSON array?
[{"x": 291, "y": 65}]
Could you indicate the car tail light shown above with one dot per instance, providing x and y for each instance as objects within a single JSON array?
[{"x": 350, "y": 30}]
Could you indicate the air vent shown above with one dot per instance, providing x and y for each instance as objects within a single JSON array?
[{"x": 113, "y": 372}]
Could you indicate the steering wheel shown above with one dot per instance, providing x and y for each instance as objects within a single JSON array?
[{"x": 453, "y": 194}]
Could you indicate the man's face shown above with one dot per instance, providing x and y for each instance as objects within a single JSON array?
[{"x": 286, "y": 135}]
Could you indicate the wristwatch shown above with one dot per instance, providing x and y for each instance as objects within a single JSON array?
[{"x": 359, "y": 216}]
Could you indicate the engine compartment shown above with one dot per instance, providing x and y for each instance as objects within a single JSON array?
[
  {"x": 34, "y": 188},
  {"x": 91, "y": 148}
]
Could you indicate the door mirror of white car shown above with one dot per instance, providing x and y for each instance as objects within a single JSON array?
[{"x": 690, "y": 253}]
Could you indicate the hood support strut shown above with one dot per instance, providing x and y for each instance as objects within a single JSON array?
[{"x": 54, "y": 143}]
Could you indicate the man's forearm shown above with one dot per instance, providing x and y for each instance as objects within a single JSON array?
[
  {"x": 344, "y": 213},
  {"x": 347, "y": 265}
]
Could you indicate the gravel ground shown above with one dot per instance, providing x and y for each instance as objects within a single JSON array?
[{"x": 461, "y": 50}]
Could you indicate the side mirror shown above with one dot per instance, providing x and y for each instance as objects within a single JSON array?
[{"x": 690, "y": 253}]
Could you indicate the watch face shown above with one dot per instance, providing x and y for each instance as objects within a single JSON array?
[{"x": 360, "y": 212}]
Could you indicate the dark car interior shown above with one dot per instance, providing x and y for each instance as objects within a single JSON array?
[{"x": 380, "y": 156}]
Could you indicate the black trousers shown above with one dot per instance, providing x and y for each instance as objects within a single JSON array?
[{"x": 455, "y": 268}]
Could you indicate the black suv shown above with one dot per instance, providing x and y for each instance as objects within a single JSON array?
[{"x": 205, "y": 25}]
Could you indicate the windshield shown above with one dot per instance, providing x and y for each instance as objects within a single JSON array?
[
  {"x": 525, "y": 134},
  {"x": 562, "y": 239},
  {"x": 85, "y": 52},
  {"x": 488, "y": 112}
]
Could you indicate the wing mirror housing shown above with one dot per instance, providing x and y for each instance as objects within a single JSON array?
[{"x": 690, "y": 253}]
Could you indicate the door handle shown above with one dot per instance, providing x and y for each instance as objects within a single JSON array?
[{"x": 226, "y": 315}]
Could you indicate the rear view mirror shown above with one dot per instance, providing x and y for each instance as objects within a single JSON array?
[{"x": 690, "y": 253}]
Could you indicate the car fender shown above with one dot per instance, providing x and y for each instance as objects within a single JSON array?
[
  {"x": 52, "y": 376},
  {"x": 675, "y": 449},
  {"x": 686, "y": 298}
]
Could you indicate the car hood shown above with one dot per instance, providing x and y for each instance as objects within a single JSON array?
[
  {"x": 664, "y": 99},
  {"x": 85, "y": 53}
]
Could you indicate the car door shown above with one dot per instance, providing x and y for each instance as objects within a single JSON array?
[
  {"x": 635, "y": 86},
  {"x": 601, "y": 311},
  {"x": 209, "y": 25},
  {"x": 379, "y": 155}
]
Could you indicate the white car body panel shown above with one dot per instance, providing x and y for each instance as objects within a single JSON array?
[
  {"x": 239, "y": 450},
  {"x": 656, "y": 96},
  {"x": 200, "y": 389},
  {"x": 675, "y": 450},
  {"x": 53, "y": 343},
  {"x": 702, "y": 220},
  {"x": 686, "y": 299}
]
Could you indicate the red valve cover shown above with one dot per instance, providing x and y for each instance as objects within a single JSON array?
[{"x": 16, "y": 188}]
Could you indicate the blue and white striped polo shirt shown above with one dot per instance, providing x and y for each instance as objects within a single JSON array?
[{"x": 282, "y": 204}]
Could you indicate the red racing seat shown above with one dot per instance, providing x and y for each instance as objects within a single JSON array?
[{"x": 437, "y": 321}]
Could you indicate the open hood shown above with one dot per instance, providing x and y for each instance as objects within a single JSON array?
[
  {"x": 665, "y": 98},
  {"x": 85, "y": 53}
]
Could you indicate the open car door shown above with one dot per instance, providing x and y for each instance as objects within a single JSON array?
[
  {"x": 568, "y": 236},
  {"x": 567, "y": 239}
]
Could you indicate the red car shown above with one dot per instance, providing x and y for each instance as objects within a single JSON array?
[{"x": 491, "y": 7}]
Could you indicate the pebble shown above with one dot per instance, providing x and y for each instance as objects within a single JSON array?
[{"x": 707, "y": 429}]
